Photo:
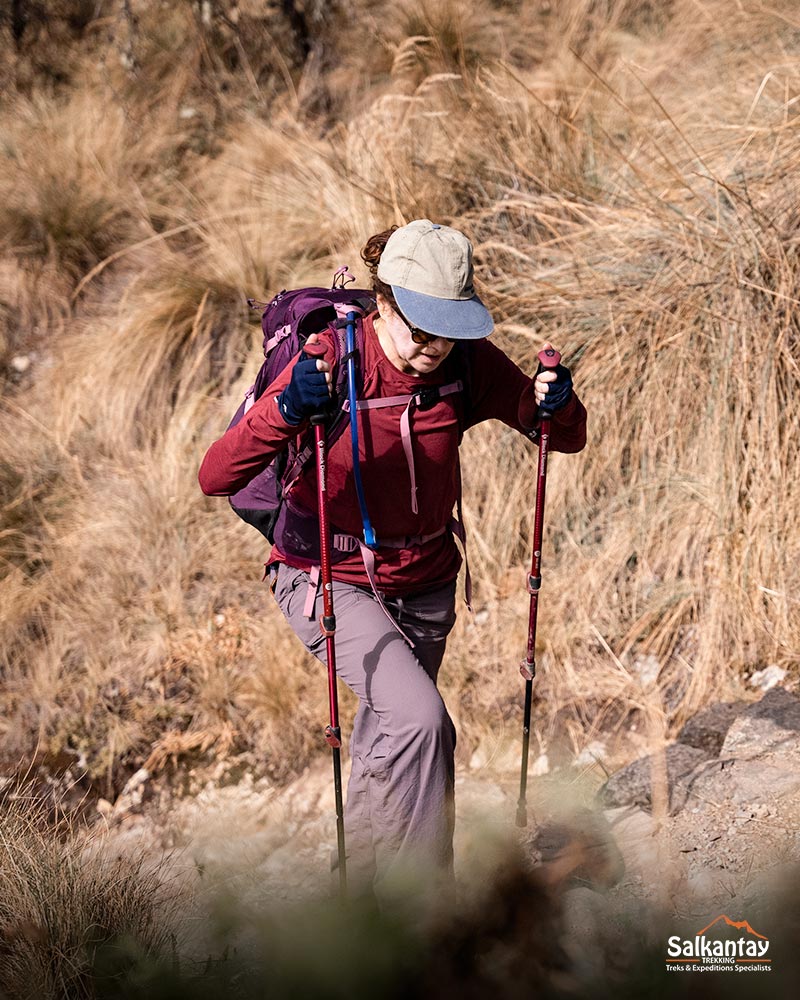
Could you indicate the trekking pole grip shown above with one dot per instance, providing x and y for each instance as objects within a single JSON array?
[{"x": 548, "y": 359}]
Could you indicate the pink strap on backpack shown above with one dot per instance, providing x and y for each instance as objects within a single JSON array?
[
  {"x": 311, "y": 593},
  {"x": 282, "y": 334},
  {"x": 410, "y": 401},
  {"x": 368, "y": 558},
  {"x": 458, "y": 529}
]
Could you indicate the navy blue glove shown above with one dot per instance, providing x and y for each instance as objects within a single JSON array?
[
  {"x": 306, "y": 394},
  {"x": 558, "y": 392}
]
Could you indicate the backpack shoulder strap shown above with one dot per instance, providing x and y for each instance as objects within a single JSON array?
[
  {"x": 339, "y": 413},
  {"x": 464, "y": 353}
]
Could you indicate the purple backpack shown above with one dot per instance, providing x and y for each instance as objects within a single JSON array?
[{"x": 287, "y": 321}]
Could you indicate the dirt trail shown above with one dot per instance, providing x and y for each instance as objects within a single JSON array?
[{"x": 726, "y": 844}]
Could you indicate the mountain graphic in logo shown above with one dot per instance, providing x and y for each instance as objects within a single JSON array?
[{"x": 739, "y": 925}]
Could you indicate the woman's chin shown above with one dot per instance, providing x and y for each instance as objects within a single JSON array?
[{"x": 426, "y": 363}]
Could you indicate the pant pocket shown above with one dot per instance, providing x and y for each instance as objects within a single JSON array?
[
  {"x": 291, "y": 594},
  {"x": 291, "y": 588},
  {"x": 381, "y": 748}
]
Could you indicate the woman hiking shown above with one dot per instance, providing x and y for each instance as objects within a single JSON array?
[{"x": 427, "y": 373}]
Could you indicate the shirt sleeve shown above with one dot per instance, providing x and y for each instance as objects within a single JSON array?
[
  {"x": 500, "y": 390},
  {"x": 246, "y": 449}
]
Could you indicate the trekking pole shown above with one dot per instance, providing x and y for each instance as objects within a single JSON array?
[
  {"x": 327, "y": 622},
  {"x": 548, "y": 359},
  {"x": 370, "y": 539}
]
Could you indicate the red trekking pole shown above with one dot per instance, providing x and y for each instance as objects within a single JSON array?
[
  {"x": 548, "y": 359},
  {"x": 333, "y": 733}
]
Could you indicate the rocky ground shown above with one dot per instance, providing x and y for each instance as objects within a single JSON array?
[{"x": 709, "y": 825}]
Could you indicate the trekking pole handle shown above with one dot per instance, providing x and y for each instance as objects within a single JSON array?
[{"x": 548, "y": 359}]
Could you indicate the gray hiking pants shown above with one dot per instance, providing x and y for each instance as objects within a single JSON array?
[{"x": 399, "y": 813}]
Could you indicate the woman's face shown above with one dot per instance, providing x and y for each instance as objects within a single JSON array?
[{"x": 395, "y": 337}]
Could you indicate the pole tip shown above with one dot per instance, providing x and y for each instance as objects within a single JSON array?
[{"x": 522, "y": 816}]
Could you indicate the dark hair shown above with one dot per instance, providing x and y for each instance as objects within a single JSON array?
[{"x": 371, "y": 255}]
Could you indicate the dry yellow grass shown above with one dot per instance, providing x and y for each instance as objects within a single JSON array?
[
  {"x": 72, "y": 923},
  {"x": 628, "y": 182}
]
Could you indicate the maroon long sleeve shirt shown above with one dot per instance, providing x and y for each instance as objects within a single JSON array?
[{"x": 495, "y": 388}]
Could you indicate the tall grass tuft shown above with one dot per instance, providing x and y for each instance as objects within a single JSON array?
[{"x": 71, "y": 921}]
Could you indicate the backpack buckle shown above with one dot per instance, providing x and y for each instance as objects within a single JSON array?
[{"x": 428, "y": 397}]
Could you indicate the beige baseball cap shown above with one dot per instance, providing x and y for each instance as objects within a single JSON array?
[{"x": 429, "y": 269}]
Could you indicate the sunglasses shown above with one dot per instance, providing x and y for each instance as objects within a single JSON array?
[{"x": 420, "y": 336}]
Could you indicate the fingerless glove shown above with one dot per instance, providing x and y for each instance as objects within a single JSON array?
[
  {"x": 306, "y": 394},
  {"x": 558, "y": 392}
]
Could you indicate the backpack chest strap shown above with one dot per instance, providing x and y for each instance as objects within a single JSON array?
[{"x": 423, "y": 399}]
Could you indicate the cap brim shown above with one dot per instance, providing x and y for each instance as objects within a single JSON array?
[{"x": 460, "y": 319}]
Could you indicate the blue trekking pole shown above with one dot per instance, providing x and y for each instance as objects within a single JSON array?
[
  {"x": 370, "y": 538},
  {"x": 548, "y": 359}
]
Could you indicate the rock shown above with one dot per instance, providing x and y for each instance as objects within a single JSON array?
[
  {"x": 759, "y": 757},
  {"x": 132, "y": 794},
  {"x": 500, "y": 756},
  {"x": 767, "y": 678},
  {"x": 635, "y": 832},
  {"x": 20, "y": 363},
  {"x": 586, "y": 914},
  {"x": 772, "y": 723},
  {"x": 707, "y": 730},
  {"x": 136, "y": 780},
  {"x": 540, "y": 766},
  {"x": 579, "y": 849},
  {"x": 591, "y": 754},
  {"x": 633, "y": 784},
  {"x": 647, "y": 668},
  {"x": 748, "y": 781}
]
